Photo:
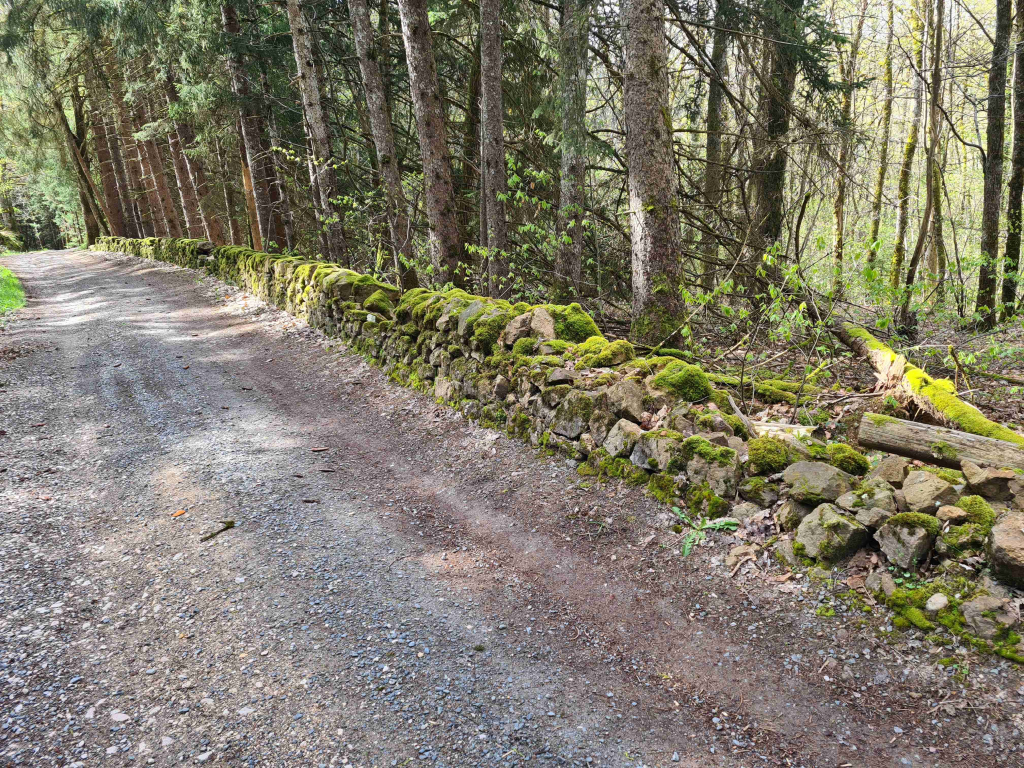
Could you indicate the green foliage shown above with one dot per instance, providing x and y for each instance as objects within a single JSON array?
[{"x": 12, "y": 296}]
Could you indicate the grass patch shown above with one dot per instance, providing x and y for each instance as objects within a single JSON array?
[{"x": 12, "y": 296}]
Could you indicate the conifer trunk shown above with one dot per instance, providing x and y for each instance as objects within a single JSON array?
[
  {"x": 713, "y": 167},
  {"x": 1015, "y": 187},
  {"x": 493, "y": 140},
  {"x": 883, "y": 153}
]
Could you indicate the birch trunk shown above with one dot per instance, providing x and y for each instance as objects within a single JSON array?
[{"x": 446, "y": 242}]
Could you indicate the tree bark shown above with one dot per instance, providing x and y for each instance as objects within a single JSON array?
[
  {"x": 845, "y": 145},
  {"x": 153, "y": 163},
  {"x": 186, "y": 189},
  {"x": 1015, "y": 187},
  {"x": 899, "y": 251},
  {"x": 196, "y": 169},
  {"x": 251, "y": 206},
  {"x": 713, "y": 167},
  {"x": 573, "y": 71},
  {"x": 250, "y": 130},
  {"x": 330, "y": 215},
  {"x": 150, "y": 218},
  {"x": 936, "y": 445},
  {"x": 653, "y": 186},
  {"x": 883, "y": 153},
  {"x": 937, "y": 252},
  {"x": 379, "y": 114},
  {"x": 988, "y": 277},
  {"x": 446, "y": 242},
  {"x": 770, "y": 153},
  {"x": 493, "y": 139},
  {"x": 234, "y": 229},
  {"x": 108, "y": 178}
]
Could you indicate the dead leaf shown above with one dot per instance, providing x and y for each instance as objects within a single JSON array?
[
  {"x": 179, "y": 513},
  {"x": 319, "y": 450}
]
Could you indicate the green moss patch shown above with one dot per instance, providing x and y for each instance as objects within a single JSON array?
[
  {"x": 916, "y": 520},
  {"x": 768, "y": 455},
  {"x": 685, "y": 381},
  {"x": 848, "y": 459}
]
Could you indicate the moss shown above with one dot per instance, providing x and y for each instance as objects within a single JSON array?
[
  {"x": 699, "y": 446},
  {"x": 916, "y": 617},
  {"x": 685, "y": 381},
  {"x": 721, "y": 398},
  {"x": 487, "y": 329},
  {"x": 916, "y": 520},
  {"x": 615, "y": 353},
  {"x": 738, "y": 427},
  {"x": 555, "y": 346},
  {"x": 524, "y": 347},
  {"x": 943, "y": 450},
  {"x": 572, "y": 323},
  {"x": 591, "y": 346},
  {"x": 701, "y": 500},
  {"x": 768, "y": 455},
  {"x": 825, "y": 611},
  {"x": 979, "y": 512},
  {"x": 850, "y": 460},
  {"x": 662, "y": 487},
  {"x": 951, "y": 476},
  {"x": 969, "y": 537}
]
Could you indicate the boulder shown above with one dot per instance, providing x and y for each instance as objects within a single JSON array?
[
  {"x": 561, "y": 376},
  {"x": 626, "y": 400},
  {"x": 872, "y": 517},
  {"x": 468, "y": 314},
  {"x": 791, "y": 513},
  {"x": 447, "y": 390},
  {"x": 679, "y": 419},
  {"x": 573, "y": 414},
  {"x": 1006, "y": 549},
  {"x": 518, "y": 328},
  {"x": 906, "y": 545},
  {"x": 720, "y": 479},
  {"x": 986, "y": 616},
  {"x": 812, "y": 482},
  {"x": 500, "y": 390},
  {"x": 872, "y": 493},
  {"x": 745, "y": 511},
  {"x": 990, "y": 483},
  {"x": 542, "y": 324},
  {"x": 622, "y": 438},
  {"x": 891, "y": 469},
  {"x": 925, "y": 492},
  {"x": 759, "y": 491},
  {"x": 828, "y": 535},
  {"x": 784, "y": 552},
  {"x": 601, "y": 423},
  {"x": 952, "y": 515},
  {"x": 655, "y": 449}
]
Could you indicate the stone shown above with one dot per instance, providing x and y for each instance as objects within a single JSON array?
[
  {"x": 892, "y": 469},
  {"x": 518, "y": 328},
  {"x": 447, "y": 390},
  {"x": 760, "y": 492},
  {"x": 738, "y": 555},
  {"x": 784, "y": 552},
  {"x": 951, "y": 515},
  {"x": 745, "y": 511},
  {"x": 542, "y": 324},
  {"x": 501, "y": 386},
  {"x": 600, "y": 424},
  {"x": 872, "y": 517},
  {"x": 717, "y": 438},
  {"x": 926, "y": 492},
  {"x": 872, "y": 493},
  {"x": 626, "y": 400},
  {"x": 905, "y": 545},
  {"x": 828, "y": 535},
  {"x": 987, "y": 482},
  {"x": 622, "y": 438},
  {"x": 572, "y": 416},
  {"x": 986, "y": 616},
  {"x": 721, "y": 480},
  {"x": 880, "y": 581},
  {"x": 587, "y": 445},
  {"x": 935, "y": 603},
  {"x": 813, "y": 482},
  {"x": 713, "y": 423},
  {"x": 679, "y": 419},
  {"x": 1006, "y": 549},
  {"x": 561, "y": 376},
  {"x": 655, "y": 449},
  {"x": 790, "y": 514},
  {"x": 465, "y": 316}
]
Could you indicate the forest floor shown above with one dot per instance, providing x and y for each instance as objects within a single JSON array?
[{"x": 400, "y": 586}]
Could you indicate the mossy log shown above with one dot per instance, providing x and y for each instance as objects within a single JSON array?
[
  {"x": 936, "y": 445},
  {"x": 910, "y": 384}
]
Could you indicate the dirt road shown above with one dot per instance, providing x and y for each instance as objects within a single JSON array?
[{"x": 400, "y": 587}]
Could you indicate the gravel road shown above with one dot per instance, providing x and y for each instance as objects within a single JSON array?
[{"x": 399, "y": 586}]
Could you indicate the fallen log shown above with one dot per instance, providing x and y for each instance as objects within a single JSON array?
[
  {"x": 910, "y": 384},
  {"x": 936, "y": 445}
]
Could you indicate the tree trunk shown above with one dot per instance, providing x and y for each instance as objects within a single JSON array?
[
  {"x": 154, "y": 164},
  {"x": 196, "y": 169},
  {"x": 287, "y": 218},
  {"x": 770, "y": 151},
  {"x": 330, "y": 215},
  {"x": 92, "y": 204},
  {"x": 713, "y": 167},
  {"x": 899, "y": 251},
  {"x": 438, "y": 193},
  {"x": 653, "y": 207},
  {"x": 883, "y": 154},
  {"x": 115, "y": 210},
  {"x": 1015, "y": 188},
  {"x": 379, "y": 113},
  {"x": 845, "y": 145},
  {"x": 573, "y": 70},
  {"x": 251, "y": 206},
  {"x": 937, "y": 252},
  {"x": 988, "y": 277},
  {"x": 130, "y": 206},
  {"x": 234, "y": 229},
  {"x": 150, "y": 220},
  {"x": 493, "y": 140},
  {"x": 250, "y": 129},
  {"x": 936, "y": 445},
  {"x": 186, "y": 189}
]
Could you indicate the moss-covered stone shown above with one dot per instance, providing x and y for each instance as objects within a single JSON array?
[
  {"x": 685, "y": 381},
  {"x": 768, "y": 455},
  {"x": 662, "y": 487},
  {"x": 848, "y": 459},
  {"x": 916, "y": 520}
]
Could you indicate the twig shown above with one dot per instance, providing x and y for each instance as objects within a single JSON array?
[{"x": 228, "y": 525}]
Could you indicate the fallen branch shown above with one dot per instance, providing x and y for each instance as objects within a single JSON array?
[
  {"x": 910, "y": 384},
  {"x": 936, "y": 445}
]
